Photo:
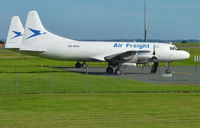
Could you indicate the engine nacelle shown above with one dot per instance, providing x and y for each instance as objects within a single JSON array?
[
  {"x": 134, "y": 59},
  {"x": 130, "y": 64},
  {"x": 142, "y": 56}
]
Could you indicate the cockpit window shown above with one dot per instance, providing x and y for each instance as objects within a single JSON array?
[{"x": 173, "y": 48}]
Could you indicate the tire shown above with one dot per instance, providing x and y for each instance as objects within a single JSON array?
[
  {"x": 168, "y": 71},
  {"x": 78, "y": 65},
  {"x": 84, "y": 65},
  {"x": 118, "y": 71},
  {"x": 109, "y": 70}
]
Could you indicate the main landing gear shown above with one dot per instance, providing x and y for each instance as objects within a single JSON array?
[
  {"x": 118, "y": 70},
  {"x": 79, "y": 65},
  {"x": 109, "y": 70}
]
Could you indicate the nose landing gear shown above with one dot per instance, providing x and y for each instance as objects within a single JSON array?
[{"x": 168, "y": 71}]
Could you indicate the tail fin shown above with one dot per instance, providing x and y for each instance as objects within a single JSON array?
[
  {"x": 35, "y": 33},
  {"x": 15, "y": 33}
]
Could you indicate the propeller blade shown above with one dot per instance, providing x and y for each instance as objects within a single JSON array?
[
  {"x": 154, "y": 49},
  {"x": 154, "y": 67}
]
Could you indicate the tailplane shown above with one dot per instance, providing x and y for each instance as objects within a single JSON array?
[{"x": 15, "y": 34}]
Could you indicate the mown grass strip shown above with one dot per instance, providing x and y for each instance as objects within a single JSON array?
[{"x": 101, "y": 110}]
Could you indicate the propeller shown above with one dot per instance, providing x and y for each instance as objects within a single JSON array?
[{"x": 154, "y": 60}]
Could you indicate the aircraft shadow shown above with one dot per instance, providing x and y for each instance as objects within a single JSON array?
[
  {"x": 106, "y": 74},
  {"x": 91, "y": 73},
  {"x": 83, "y": 71}
]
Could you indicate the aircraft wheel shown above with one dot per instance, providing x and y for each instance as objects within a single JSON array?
[
  {"x": 84, "y": 65},
  {"x": 168, "y": 71},
  {"x": 78, "y": 65},
  {"x": 118, "y": 71},
  {"x": 109, "y": 70}
]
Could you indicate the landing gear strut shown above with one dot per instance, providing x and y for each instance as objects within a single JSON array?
[
  {"x": 168, "y": 71},
  {"x": 84, "y": 65},
  {"x": 118, "y": 71}
]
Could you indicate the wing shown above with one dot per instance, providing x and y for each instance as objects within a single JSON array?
[
  {"x": 127, "y": 56},
  {"x": 121, "y": 57}
]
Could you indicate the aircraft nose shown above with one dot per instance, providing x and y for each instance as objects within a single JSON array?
[
  {"x": 185, "y": 55},
  {"x": 180, "y": 55}
]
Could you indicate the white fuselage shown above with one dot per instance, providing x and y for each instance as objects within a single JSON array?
[{"x": 91, "y": 51}]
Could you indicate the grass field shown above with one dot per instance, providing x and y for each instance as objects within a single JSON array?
[
  {"x": 65, "y": 99},
  {"x": 45, "y": 82},
  {"x": 100, "y": 111},
  {"x": 187, "y": 45}
]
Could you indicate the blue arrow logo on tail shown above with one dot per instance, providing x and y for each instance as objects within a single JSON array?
[
  {"x": 17, "y": 34},
  {"x": 35, "y": 33}
]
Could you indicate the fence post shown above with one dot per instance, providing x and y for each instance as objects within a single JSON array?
[
  {"x": 16, "y": 80},
  {"x": 50, "y": 80},
  {"x": 87, "y": 89}
]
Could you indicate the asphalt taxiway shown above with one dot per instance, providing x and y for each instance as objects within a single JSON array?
[{"x": 180, "y": 74}]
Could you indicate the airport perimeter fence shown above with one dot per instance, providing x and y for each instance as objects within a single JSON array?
[{"x": 50, "y": 80}]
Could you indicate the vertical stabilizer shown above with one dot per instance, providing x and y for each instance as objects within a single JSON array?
[
  {"x": 35, "y": 33},
  {"x": 15, "y": 33}
]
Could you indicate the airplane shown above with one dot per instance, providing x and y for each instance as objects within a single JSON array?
[{"x": 38, "y": 41}]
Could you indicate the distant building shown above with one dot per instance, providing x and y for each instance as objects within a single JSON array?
[
  {"x": 2, "y": 44},
  {"x": 184, "y": 41}
]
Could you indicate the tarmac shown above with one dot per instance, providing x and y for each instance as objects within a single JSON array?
[{"x": 180, "y": 75}]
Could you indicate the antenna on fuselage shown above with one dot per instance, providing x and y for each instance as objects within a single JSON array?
[{"x": 145, "y": 21}]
